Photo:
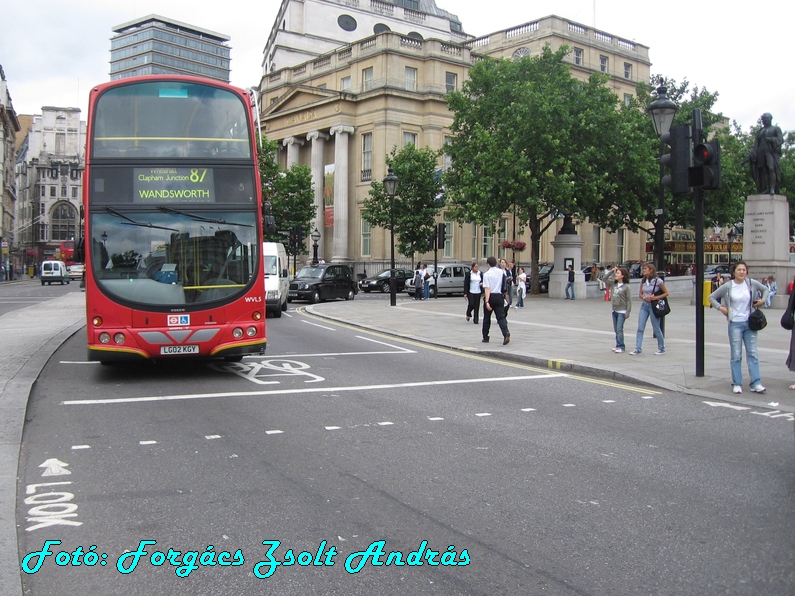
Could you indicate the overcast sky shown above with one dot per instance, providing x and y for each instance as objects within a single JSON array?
[{"x": 52, "y": 52}]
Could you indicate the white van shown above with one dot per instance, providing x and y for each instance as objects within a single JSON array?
[
  {"x": 54, "y": 271},
  {"x": 277, "y": 280}
]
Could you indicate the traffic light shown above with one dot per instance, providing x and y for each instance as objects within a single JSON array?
[
  {"x": 677, "y": 162},
  {"x": 442, "y": 235},
  {"x": 706, "y": 165},
  {"x": 432, "y": 241},
  {"x": 299, "y": 236}
]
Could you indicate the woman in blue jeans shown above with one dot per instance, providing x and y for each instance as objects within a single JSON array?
[
  {"x": 652, "y": 289},
  {"x": 735, "y": 299}
]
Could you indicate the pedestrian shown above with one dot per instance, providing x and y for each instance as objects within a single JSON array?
[
  {"x": 418, "y": 282},
  {"x": 772, "y": 287},
  {"x": 426, "y": 282},
  {"x": 621, "y": 298},
  {"x": 494, "y": 300},
  {"x": 570, "y": 284},
  {"x": 735, "y": 299},
  {"x": 521, "y": 287},
  {"x": 788, "y": 318},
  {"x": 473, "y": 290},
  {"x": 601, "y": 278},
  {"x": 507, "y": 269},
  {"x": 652, "y": 289}
]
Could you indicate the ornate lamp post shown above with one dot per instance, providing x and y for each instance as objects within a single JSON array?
[
  {"x": 315, "y": 236},
  {"x": 662, "y": 111},
  {"x": 390, "y": 187}
]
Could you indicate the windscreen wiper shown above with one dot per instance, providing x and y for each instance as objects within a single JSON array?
[
  {"x": 132, "y": 222},
  {"x": 195, "y": 217}
]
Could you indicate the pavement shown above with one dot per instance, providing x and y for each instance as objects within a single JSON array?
[{"x": 565, "y": 336}]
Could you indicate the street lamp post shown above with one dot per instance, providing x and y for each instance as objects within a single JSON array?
[
  {"x": 732, "y": 235},
  {"x": 662, "y": 111},
  {"x": 390, "y": 186},
  {"x": 315, "y": 236}
]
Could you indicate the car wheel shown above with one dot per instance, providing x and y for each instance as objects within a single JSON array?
[
  {"x": 385, "y": 287},
  {"x": 366, "y": 291},
  {"x": 315, "y": 297},
  {"x": 350, "y": 295},
  {"x": 432, "y": 292},
  {"x": 277, "y": 313},
  {"x": 42, "y": 282},
  {"x": 284, "y": 306}
]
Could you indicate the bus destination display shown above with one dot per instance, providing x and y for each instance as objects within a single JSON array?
[{"x": 178, "y": 185}]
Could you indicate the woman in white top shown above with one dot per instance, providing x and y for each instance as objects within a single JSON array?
[
  {"x": 521, "y": 281},
  {"x": 734, "y": 299},
  {"x": 652, "y": 289}
]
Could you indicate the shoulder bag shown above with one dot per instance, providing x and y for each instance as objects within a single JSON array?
[
  {"x": 660, "y": 307},
  {"x": 787, "y": 319},
  {"x": 757, "y": 320}
]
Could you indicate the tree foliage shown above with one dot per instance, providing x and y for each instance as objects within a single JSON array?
[
  {"x": 416, "y": 202},
  {"x": 289, "y": 193},
  {"x": 531, "y": 139}
]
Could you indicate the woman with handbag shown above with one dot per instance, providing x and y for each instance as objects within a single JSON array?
[
  {"x": 788, "y": 323},
  {"x": 735, "y": 299},
  {"x": 652, "y": 289}
]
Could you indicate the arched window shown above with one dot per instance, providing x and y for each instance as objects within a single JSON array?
[{"x": 63, "y": 222}]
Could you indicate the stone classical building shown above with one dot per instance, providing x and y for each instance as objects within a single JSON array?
[
  {"x": 341, "y": 110},
  {"x": 158, "y": 45},
  {"x": 49, "y": 178},
  {"x": 9, "y": 127}
]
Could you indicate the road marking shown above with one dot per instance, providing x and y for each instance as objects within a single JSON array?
[
  {"x": 54, "y": 467},
  {"x": 81, "y": 446},
  {"x": 147, "y": 442},
  {"x": 468, "y": 353},
  {"x": 385, "y": 423},
  {"x": 569, "y": 405},
  {"x": 308, "y": 390},
  {"x": 317, "y": 325},
  {"x": 483, "y": 414},
  {"x": 435, "y": 418},
  {"x": 720, "y": 404},
  {"x": 211, "y": 437},
  {"x": 528, "y": 409},
  {"x": 333, "y": 427},
  {"x": 608, "y": 401},
  {"x": 274, "y": 432}
]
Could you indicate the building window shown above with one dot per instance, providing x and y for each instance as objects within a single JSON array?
[
  {"x": 366, "y": 237},
  {"x": 448, "y": 161},
  {"x": 627, "y": 99},
  {"x": 345, "y": 84},
  {"x": 63, "y": 222},
  {"x": 44, "y": 191},
  {"x": 603, "y": 63},
  {"x": 578, "y": 56},
  {"x": 486, "y": 243},
  {"x": 474, "y": 247},
  {"x": 367, "y": 157},
  {"x": 448, "y": 239},
  {"x": 52, "y": 191},
  {"x": 367, "y": 79},
  {"x": 450, "y": 81},
  {"x": 411, "y": 79},
  {"x": 409, "y": 138},
  {"x": 620, "y": 240},
  {"x": 597, "y": 244},
  {"x": 502, "y": 236},
  {"x": 74, "y": 192},
  {"x": 627, "y": 70},
  {"x": 63, "y": 190}
]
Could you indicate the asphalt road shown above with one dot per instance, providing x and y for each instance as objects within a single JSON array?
[{"x": 339, "y": 439}]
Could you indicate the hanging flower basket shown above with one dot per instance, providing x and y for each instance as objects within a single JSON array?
[{"x": 516, "y": 245}]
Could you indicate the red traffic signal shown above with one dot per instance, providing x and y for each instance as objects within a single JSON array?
[{"x": 707, "y": 167}]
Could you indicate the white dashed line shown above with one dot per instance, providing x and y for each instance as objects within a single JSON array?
[
  {"x": 81, "y": 446},
  {"x": 274, "y": 432},
  {"x": 385, "y": 423},
  {"x": 147, "y": 442},
  {"x": 332, "y": 427},
  {"x": 569, "y": 405},
  {"x": 529, "y": 410},
  {"x": 435, "y": 418},
  {"x": 211, "y": 437},
  {"x": 483, "y": 414}
]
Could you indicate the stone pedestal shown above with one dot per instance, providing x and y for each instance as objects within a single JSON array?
[
  {"x": 766, "y": 242},
  {"x": 567, "y": 247}
]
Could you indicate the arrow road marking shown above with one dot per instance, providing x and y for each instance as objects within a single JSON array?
[{"x": 54, "y": 467}]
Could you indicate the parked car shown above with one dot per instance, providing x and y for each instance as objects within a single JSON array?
[
  {"x": 711, "y": 270},
  {"x": 380, "y": 281},
  {"x": 544, "y": 269},
  {"x": 54, "y": 271},
  {"x": 450, "y": 280},
  {"x": 323, "y": 282}
]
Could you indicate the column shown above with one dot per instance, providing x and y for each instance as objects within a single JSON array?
[
  {"x": 318, "y": 143},
  {"x": 341, "y": 135},
  {"x": 293, "y": 145}
]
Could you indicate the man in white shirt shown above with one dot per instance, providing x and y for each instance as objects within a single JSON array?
[{"x": 494, "y": 300}]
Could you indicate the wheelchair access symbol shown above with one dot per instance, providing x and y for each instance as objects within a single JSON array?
[{"x": 178, "y": 320}]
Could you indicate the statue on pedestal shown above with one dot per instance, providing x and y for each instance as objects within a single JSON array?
[{"x": 765, "y": 157}]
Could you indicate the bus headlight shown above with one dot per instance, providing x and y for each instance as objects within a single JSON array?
[
  {"x": 104, "y": 338},
  {"x": 97, "y": 321},
  {"x": 118, "y": 338},
  {"x": 237, "y": 333},
  {"x": 251, "y": 331}
]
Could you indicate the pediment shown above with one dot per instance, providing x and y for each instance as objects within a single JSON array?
[{"x": 299, "y": 98}]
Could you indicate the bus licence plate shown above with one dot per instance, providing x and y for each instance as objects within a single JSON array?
[{"x": 168, "y": 350}]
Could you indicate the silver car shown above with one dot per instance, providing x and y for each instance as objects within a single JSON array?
[{"x": 449, "y": 280}]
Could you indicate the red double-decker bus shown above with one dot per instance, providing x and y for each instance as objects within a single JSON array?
[{"x": 173, "y": 221}]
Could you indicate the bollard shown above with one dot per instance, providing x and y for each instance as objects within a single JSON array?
[
  {"x": 707, "y": 292},
  {"x": 607, "y": 293}
]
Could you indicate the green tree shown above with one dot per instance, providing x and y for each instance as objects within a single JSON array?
[
  {"x": 289, "y": 194},
  {"x": 529, "y": 138},
  {"x": 416, "y": 202}
]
